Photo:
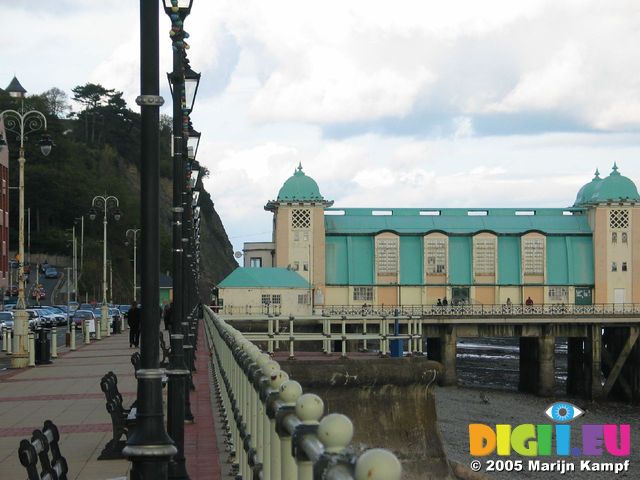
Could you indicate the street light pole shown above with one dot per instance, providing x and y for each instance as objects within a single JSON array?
[
  {"x": 100, "y": 202},
  {"x": 149, "y": 447},
  {"x": 134, "y": 232},
  {"x": 22, "y": 124}
]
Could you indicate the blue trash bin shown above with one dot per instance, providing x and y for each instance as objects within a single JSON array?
[{"x": 396, "y": 346}]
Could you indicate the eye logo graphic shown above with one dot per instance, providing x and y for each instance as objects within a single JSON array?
[{"x": 563, "y": 412}]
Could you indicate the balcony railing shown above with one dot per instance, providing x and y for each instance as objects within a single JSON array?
[{"x": 550, "y": 309}]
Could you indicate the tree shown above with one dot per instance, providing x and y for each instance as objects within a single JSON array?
[{"x": 57, "y": 102}]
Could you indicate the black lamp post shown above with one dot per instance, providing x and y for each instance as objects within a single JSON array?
[
  {"x": 183, "y": 83},
  {"x": 149, "y": 447}
]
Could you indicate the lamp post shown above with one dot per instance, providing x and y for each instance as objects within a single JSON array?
[
  {"x": 22, "y": 123},
  {"x": 75, "y": 222},
  {"x": 149, "y": 447},
  {"x": 134, "y": 233},
  {"x": 104, "y": 203},
  {"x": 184, "y": 86}
]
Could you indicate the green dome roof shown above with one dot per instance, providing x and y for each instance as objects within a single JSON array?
[
  {"x": 614, "y": 188},
  {"x": 585, "y": 193},
  {"x": 299, "y": 187}
]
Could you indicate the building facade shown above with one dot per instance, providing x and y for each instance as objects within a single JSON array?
[{"x": 583, "y": 254}]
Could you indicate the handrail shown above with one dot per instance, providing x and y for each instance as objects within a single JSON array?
[{"x": 275, "y": 431}]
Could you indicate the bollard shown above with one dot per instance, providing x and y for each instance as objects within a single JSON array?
[
  {"x": 87, "y": 335},
  {"x": 378, "y": 464},
  {"x": 4, "y": 339},
  {"x": 32, "y": 350},
  {"x": 54, "y": 343},
  {"x": 98, "y": 323},
  {"x": 10, "y": 342},
  {"x": 72, "y": 340}
]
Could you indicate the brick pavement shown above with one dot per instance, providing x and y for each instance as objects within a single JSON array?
[{"x": 68, "y": 393}]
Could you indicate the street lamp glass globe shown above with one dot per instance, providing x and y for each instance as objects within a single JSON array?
[
  {"x": 192, "y": 142},
  {"x": 46, "y": 144},
  {"x": 191, "y": 83},
  {"x": 117, "y": 214},
  {"x": 92, "y": 214}
]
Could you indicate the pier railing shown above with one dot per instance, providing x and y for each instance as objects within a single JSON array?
[
  {"x": 479, "y": 310},
  {"x": 273, "y": 430}
]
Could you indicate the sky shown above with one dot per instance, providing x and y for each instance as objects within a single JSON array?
[{"x": 407, "y": 103}]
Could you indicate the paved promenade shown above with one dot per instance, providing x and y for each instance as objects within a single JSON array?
[{"x": 68, "y": 393}]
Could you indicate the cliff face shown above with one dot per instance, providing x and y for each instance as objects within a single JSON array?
[{"x": 216, "y": 256}]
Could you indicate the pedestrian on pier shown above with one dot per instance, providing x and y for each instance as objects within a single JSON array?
[
  {"x": 445, "y": 302},
  {"x": 529, "y": 302},
  {"x": 133, "y": 320}
]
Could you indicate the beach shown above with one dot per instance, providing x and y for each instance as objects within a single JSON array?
[{"x": 457, "y": 407}]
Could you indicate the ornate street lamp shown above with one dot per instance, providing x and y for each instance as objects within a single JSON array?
[
  {"x": 134, "y": 233},
  {"x": 22, "y": 123},
  {"x": 100, "y": 203},
  {"x": 149, "y": 447}
]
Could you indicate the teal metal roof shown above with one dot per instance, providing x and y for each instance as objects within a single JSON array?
[
  {"x": 299, "y": 187},
  {"x": 456, "y": 220},
  {"x": 247, "y": 277}
]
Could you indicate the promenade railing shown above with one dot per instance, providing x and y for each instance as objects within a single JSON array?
[{"x": 274, "y": 430}]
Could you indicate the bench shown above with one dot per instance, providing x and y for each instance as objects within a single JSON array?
[
  {"x": 122, "y": 420},
  {"x": 42, "y": 442}
]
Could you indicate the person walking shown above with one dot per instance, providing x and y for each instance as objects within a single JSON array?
[
  {"x": 167, "y": 315},
  {"x": 133, "y": 320}
]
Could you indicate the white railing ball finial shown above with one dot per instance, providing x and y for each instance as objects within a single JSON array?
[
  {"x": 378, "y": 464},
  {"x": 309, "y": 408},
  {"x": 290, "y": 391},
  {"x": 335, "y": 432}
]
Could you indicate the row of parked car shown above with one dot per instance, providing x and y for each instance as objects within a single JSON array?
[{"x": 50, "y": 316}]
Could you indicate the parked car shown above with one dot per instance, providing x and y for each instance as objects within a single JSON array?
[
  {"x": 14, "y": 290},
  {"x": 51, "y": 272},
  {"x": 73, "y": 306},
  {"x": 79, "y": 316},
  {"x": 53, "y": 316},
  {"x": 6, "y": 319},
  {"x": 35, "y": 318},
  {"x": 98, "y": 313}
]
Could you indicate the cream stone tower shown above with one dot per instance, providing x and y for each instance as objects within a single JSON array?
[
  {"x": 614, "y": 217},
  {"x": 299, "y": 232}
]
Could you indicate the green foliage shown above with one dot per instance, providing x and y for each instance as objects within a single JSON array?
[{"x": 97, "y": 151}]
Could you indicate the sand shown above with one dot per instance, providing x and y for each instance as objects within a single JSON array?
[{"x": 457, "y": 407}]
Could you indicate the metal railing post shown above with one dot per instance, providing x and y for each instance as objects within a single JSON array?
[
  {"x": 291, "y": 339},
  {"x": 270, "y": 333},
  {"x": 364, "y": 332},
  {"x": 290, "y": 391},
  {"x": 277, "y": 380},
  {"x": 309, "y": 409},
  {"x": 344, "y": 336}
]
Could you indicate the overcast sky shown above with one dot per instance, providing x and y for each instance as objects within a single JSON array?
[{"x": 463, "y": 103}]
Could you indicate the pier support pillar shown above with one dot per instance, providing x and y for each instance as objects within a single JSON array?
[
  {"x": 546, "y": 365},
  {"x": 528, "y": 367},
  {"x": 593, "y": 357},
  {"x": 448, "y": 351},
  {"x": 577, "y": 382}
]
